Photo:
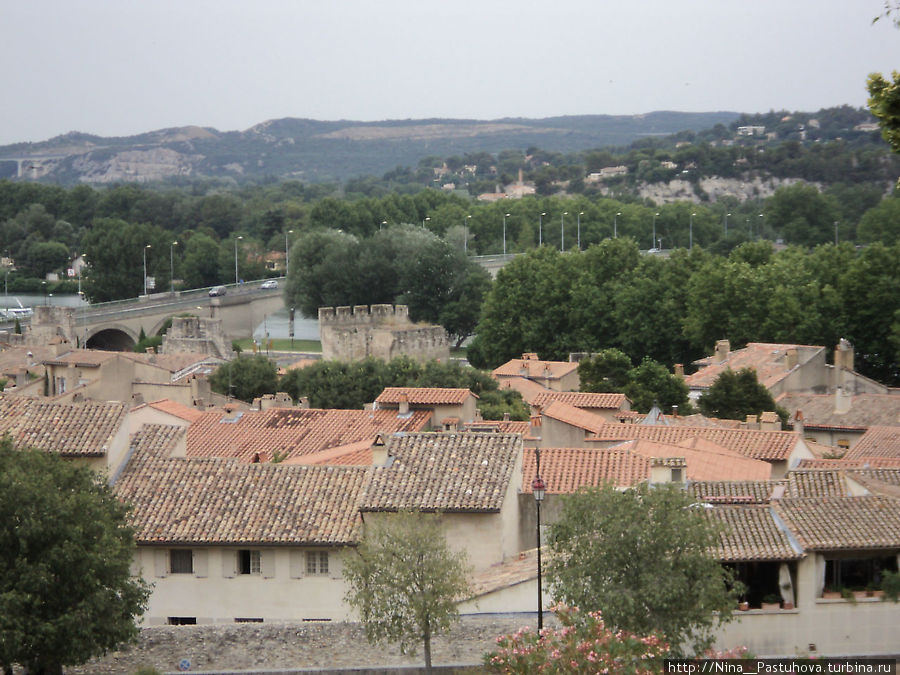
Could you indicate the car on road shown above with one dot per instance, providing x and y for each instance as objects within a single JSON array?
[
  {"x": 217, "y": 291},
  {"x": 269, "y": 283}
]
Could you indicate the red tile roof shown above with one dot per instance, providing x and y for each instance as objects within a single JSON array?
[
  {"x": 705, "y": 460},
  {"x": 751, "y": 533},
  {"x": 501, "y": 426},
  {"x": 564, "y": 470},
  {"x": 573, "y": 416},
  {"x": 581, "y": 399},
  {"x": 444, "y": 472},
  {"x": 176, "y": 409},
  {"x": 767, "y": 359},
  {"x": 735, "y": 491},
  {"x": 85, "y": 429},
  {"x": 829, "y": 524},
  {"x": 766, "y": 445},
  {"x": 535, "y": 368},
  {"x": 878, "y": 441},
  {"x": 865, "y": 410},
  {"x": 292, "y": 432},
  {"x": 861, "y": 463},
  {"x": 816, "y": 483},
  {"x": 216, "y": 501},
  {"x": 424, "y": 395},
  {"x": 527, "y": 388}
]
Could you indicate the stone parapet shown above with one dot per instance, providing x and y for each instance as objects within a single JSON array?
[{"x": 379, "y": 331}]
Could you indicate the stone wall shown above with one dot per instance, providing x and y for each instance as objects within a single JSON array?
[
  {"x": 51, "y": 324},
  {"x": 380, "y": 331},
  {"x": 299, "y": 647},
  {"x": 196, "y": 335}
]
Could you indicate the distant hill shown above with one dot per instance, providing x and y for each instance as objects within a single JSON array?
[{"x": 316, "y": 151}]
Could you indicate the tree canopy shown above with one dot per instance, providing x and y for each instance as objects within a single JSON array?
[
  {"x": 736, "y": 394},
  {"x": 245, "y": 377},
  {"x": 66, "y": 590},
  {"x": 405, "y": 582},
  {"x": 642, "y": 558}
]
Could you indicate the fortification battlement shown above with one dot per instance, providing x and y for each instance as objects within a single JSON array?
[{"x": 363, "y": 315}]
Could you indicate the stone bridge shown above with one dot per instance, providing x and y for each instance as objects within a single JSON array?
[{"x": 117, "y": 325}]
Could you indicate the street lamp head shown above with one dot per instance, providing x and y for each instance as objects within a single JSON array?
[
  {"x": 148, "y": 246},
  {"x": 538, "y": 487},
  {"x": 543, "y": 214},
  {"x": 506, "y": 214},
  {"x": 619, "y": 213},
  {"x": 581, "y": 213}
]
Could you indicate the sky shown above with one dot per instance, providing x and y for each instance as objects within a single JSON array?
[{"x": 123, "y": 67}]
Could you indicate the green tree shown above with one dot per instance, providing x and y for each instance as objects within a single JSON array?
[
  {"x": 405, "y": 582},
  {"x": 642, "y": 558},
  {"x": 605, "y": 371},
  {"x": 245, "y": 377},
  {"x": 66, "y": 590},
  {"x": 734, "y": 395},
  {"x": 802, "y": 214},
  {"x": 881, "y": 223},
  {"x": 200, "y": 266},
  {"x": 651, "y": 384},
  {"x": 884, "y": 103}
]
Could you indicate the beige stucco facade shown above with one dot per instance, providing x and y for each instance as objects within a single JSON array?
[{"x": 216, "y": 593}]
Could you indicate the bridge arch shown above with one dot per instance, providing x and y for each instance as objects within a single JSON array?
[{"x": 113, "y": 338}]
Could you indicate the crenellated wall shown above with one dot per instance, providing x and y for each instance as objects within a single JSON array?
[{"x": 378, "y": 331}]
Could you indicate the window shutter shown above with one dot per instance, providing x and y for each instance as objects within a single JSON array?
[
  {"x": 161, "y": 562},
  {"x": 334, "y": 565},
  {"x": 267, "y": 564},
  {"x": 298, "y": 564},
  {"x": 229, "y": 563},
  {"x": 201, "y": 563}
]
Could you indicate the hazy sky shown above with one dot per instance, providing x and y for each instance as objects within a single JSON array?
[{"x": 120, "y": 67}]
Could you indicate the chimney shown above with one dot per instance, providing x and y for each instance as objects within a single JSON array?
[
  {"x": 842, "y": 400},
  {"x": 843, "y": 355},
  {"x": 137, "y": 399},
  {"x": 547, "y": 373},
  {"x": 679, "y": 370},
  {"x": 769, "y": 421},
  {"x": 674, "y": 411},
  {"x": 798, "y": 422},
  {"x": 78, "y": 397},
  {"x": 303, "y": 403},
  {"x": 506, "y": 417},
  {"x": 478, "y": 416},
  {"x": 534, "y": 430},
  {"x": 752, "y": 422},
  {"x": 379, "y": 451},
  {"x": 403, "y": 405},
  {"x": 723, "y": 348},
  {"x": 792, "y": 358}
]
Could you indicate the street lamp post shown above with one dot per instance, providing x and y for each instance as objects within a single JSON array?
[
  {"x": 616, "y": 225},
  {"x": 287, "y": 253},
  {"x": 653, "y": 244},
  {"x": 466, "y": 233},
  {"x": 172, "y": 267},
  {"x": 538, "y": 488},
  {"x": 578, "y": 229},
  {"x": 691, "y": 232},
  {"x": 541, "y": 229},
  {"x": 835, "y": 234},
  {"x": 145, "y": 268},
  {"x": 761, "y": 223},
  {"x": 505, "y": 216},
  {"x": 427, "y": 218},
  {"x": 726, "y": 225},
  {"x": 562, "y": 231},
  {"x": 235, "y": 259}
]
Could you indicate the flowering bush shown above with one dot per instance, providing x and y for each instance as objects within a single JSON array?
[{"x": 583, "y": 644}]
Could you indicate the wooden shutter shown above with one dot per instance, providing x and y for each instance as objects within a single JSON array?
[
  {"x": 298, "y": 564},
  {"x": 267, "y": 563},
  {"x": 161, "y": 562},
  {"x": 229, "y": 563},
  {"x": 201, "y": 563}
]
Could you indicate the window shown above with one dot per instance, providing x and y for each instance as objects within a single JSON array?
[
  {"x": 843, "y": 443},
  {"x": 857, "y": 573},
  {"x": 317, "y": 562},
  {"x": 248, "y": 562},
  {"x": 182, "y": 620},
  {"x": 181, "y": 561},
  {"x": 676, "y": 475}
]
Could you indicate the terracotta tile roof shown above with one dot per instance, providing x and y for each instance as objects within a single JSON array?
[
  {"x": 884, "y": 482},
  {"x": 535, "y": 368},
  {"x": 861, "y": 463},
  {"x": 816, "y": 483},
  {"x": 828, "y": 524},
  {"x": 573, "y": 416},
  {"x": 734, "y": 491},
  {"x": 564, "y": 470},
  {"x": 527, "y": 388},
  {"x": 424, "y": 395},
  {"x": 84, "y": 429},
  {"x": 751, "y": 533},
  {"x": 695, "y": 420},
  {"x": 292, "y": 432},
  {"x": 444, "y": 472},
  {"x": 866, "y": 410},
  {"x": 767, "y": 359},
  {"x": 359, "y": 454},
  {"x": 215, "y": 501},
  {"x": 83, "y": 358},
  {"x": 765, "y": 445},
  {"x": 157, "y": 440},
  {"x": 878, "y": 441},
  {"x": 705, "y": 460},
  {"x": 581, "y": 399},
  {"x": 499, "y": 426},
  {"x": 176, "y": 409},
  {"x": 507, "y": 573}
]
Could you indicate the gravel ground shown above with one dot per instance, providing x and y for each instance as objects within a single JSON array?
[{"x": 291, "y": 645}]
